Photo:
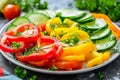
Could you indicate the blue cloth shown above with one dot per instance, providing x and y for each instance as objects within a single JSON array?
[{"x": 7, "y": 76}]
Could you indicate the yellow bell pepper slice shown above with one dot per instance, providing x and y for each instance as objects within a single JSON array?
[
  {"x": 82, "y": 49},
  {"x": 73, "y": 58},
  {"x": 69, "y": 22},
  {"x": 93, "y": 55},
  {"x": 53, "y": 23},
  {"x": 94, "y": 62},
  {"x": 106, "y": 55},
  {"x": 59, "y": 32},
  {"x": 79, "y": 33}
]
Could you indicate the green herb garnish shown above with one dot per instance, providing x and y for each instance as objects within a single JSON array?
[
  {"x": 52, "y": 26},
  {"x": 100, "y": 76},
  {"x": 22, "y": 73},
  {"x": 16, "y": 45},
  {"x": 34, "y": 77},
  {"x": 33, "y": 49},
  {"x": 53, "y": 68},
  {"x": 31, "y": 5}
]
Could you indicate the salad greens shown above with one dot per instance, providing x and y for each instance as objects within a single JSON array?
[
  {"x": 108, "y": 7},
  {"x": 30, "y": 5}
]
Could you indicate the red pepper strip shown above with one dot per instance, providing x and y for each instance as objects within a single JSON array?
[
  {"x": 10, "y": 49},
  {"x": 25, "y": 32},
  {"x": 40, "y": 63},
  {"x": 41, "y": 55},
  {"x": 52, "y": 51}
]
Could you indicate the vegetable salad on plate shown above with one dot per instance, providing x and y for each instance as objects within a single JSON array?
[{"x": 64, "y": 40}]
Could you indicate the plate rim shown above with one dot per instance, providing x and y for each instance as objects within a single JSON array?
[{"x": 40, "y": 70}]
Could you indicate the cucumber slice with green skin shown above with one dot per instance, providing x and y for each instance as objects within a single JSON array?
[
  {"x": 105, "y": 43},
  {"x": 10, "y": 27},
  {"x": 42, "y": 11},
  {"x": 99, "y": 23},
  {"x": 38, "y": 18},
  {"x": 27, "y": 14},
  {"x": 20, "y": 20},
  {"x": 51, "y": 13},
  {"x": 70, "y": 13},
  {"x": 87, "y": 18},
  {"x": 100, "y": 34}
]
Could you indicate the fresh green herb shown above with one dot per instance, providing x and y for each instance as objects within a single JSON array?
[
  {"x": 33, "y": 49},
  {"x": 73, "y": 40},
  {"x": 31, "y": 5},
  {"x": 100, "y": 76},
  {"x": 22, "y": 73},
  {"x": 16, "y": 45},
  {"x": 62, "y": 33},
  {"x": 52, "y": 26},
  {"x": 53, "y": 68},
  {"x": 34, "y": 77},
  {"x": 18, "y": 34},
  {"x": 64, "y": 24},
  {"x": 108, "y": 7},
  {"x": 45, "y": 32}
]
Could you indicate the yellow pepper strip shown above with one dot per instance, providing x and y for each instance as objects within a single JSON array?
[
  {"x": 106, "y": 55},
  {"x": 53, "y": 23},
  {"x": 110, "y": 24},
  {"x": 59, "y": 32},
  {"x": 94, "y": 62},
  {"x": 92, "y": 55},
  {"x": 73, "y": 58},
  {"x": 80, "y": 33},
  {"x": 82, "y": 49},
  {"x": 69, "y": 22},
  {"x": 98, "y": 58}
]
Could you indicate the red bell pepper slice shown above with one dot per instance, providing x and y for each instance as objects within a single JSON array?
[
  {"x": 41, "y": 63},
  {"x": 7, "y": 48},
  {"x": 26, "y": 32},
  {"x": 48, "y": 52},
  {"x": 7, "y": 45}
]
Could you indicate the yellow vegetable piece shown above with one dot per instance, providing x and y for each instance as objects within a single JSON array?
[
  {"x": 53, "y": 23},
  {"x": 73, "y": 58},
  {"x": 93, "y": 55},
  {"x": 80, "y": 34},
  {"x": 59, "y": 32},
  {"x": 83, "y": 49},
  {"x": 94, "y": 62},
  {"x": 69, "y": 22},
  {"x": 106, "y": 55}
]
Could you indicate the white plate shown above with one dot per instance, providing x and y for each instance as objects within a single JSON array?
[{"x": 10, "y": 58}]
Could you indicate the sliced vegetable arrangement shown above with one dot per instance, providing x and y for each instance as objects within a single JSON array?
[{"x": 63, "y": 40}]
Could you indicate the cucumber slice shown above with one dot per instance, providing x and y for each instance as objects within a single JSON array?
[
  {"x": 51, "y": 13},
  {"x": 70, "y": 13},
  {"x": 100, "y": 34},
  {"x": 10, "y": 27},
  {"x": 105, "y": 43},
  {"x": 41, "y": 11},
  {"x": 99, "y": 23},
  {"x": 27, "y": 14},
  {"x": 87, "y": 18},
  {"x": 37, "y": 18},
  {"x": 20, "y": 20}
]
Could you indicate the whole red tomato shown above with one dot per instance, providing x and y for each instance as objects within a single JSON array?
[{"x": 11, "y": 11}]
